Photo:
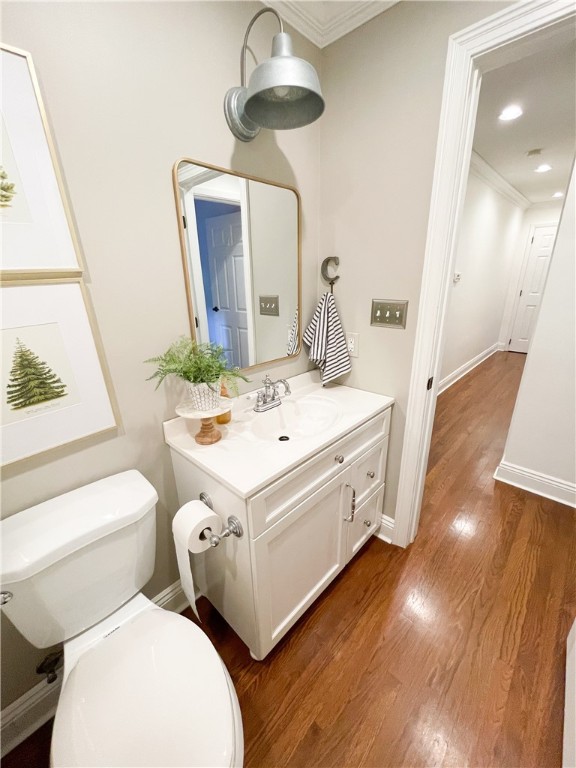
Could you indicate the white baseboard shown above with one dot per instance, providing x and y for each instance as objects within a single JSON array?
[
  {"x": 172, "y": 598},
  {"x": 28, "y": 713},
  {"x": 453, "y": 377},
  {"x": 386, "y": 529},
  {"x": 535, "y": 482},
  {"x": 24, "y": 716}
]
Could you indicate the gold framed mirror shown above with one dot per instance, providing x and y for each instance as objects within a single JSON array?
[{"x": 240, "y": 239}]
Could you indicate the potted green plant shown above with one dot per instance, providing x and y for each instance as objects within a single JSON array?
[{"x": 203, "y": 367}]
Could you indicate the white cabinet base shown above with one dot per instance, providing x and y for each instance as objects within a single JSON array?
[{"x": 300, "y": 529}]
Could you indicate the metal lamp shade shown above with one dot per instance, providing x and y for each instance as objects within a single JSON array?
[{"x": 284, "y": 91}]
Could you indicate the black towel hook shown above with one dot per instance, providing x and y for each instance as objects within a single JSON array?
[{"x": 324, "y": 271}]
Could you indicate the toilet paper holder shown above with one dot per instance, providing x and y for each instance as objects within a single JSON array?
[{"x": 233, "y": 527}]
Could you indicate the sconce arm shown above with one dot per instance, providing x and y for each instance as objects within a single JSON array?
[{"x": 245, "y": 43}]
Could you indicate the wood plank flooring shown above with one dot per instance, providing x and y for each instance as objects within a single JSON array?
[{"x": 448, "y": 653}]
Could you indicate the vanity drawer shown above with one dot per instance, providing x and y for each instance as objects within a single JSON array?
[
  {"x": 387, "y": 417},
  {"x": 270, "y": 505},
  {"x": 369, "y": 470},
  {"x": 366, "y": 522}
]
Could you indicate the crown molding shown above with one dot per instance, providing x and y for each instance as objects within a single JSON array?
[
  {"x": 306, "y": 19},
  {"x": 480, "y": 168}
]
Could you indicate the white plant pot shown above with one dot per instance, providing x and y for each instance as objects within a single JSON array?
[{"x": 204, "y": 397}]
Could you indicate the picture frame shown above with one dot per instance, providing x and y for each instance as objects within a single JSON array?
[
  {"x": 55, "y": 389},
  {"x": 38, "y": 234}
]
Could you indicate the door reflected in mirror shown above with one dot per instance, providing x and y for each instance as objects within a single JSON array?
[{"x": 240, "y": 240}]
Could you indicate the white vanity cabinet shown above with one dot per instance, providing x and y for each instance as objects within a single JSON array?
[
  {"x": 300, "y": 528},
  {"x": 297, "y": 557}
]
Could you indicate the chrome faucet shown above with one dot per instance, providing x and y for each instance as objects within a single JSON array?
[{"x": 269, "y": 397}]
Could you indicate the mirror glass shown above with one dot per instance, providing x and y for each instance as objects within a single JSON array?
[{"x": 240, "y": 240}]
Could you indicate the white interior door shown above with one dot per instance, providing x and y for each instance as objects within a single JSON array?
[
  {"x": 248, "y": 277},
  {"x": 532, "y": 287},
  {"x": 228, "y": 286},
  {"x": 194, "y": 265}
]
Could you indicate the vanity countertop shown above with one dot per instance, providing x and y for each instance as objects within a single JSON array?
[{"x": 245, "y": 461}]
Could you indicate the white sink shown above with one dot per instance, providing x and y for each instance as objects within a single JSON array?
[
  {"x": 295, "y": 418},
  {"x": 251, "y": 455}
]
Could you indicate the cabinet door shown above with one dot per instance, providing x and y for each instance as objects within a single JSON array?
[
  {"x": 297, "y": 558},
  {"x": 367, "y": 518}
]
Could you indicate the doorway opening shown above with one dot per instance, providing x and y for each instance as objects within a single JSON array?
[{"x": 504, "y": 38}]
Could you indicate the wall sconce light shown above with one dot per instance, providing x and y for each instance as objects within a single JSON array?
[{"x": 283, "y": 93}]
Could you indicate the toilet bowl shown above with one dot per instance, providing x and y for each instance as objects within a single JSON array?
[
  {"x": 152, "y": 692},
  {"x": 142, "y": 686}
]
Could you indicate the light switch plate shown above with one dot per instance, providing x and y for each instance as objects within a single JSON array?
[
  {"x": 389, "y": 313},
  {"x": 269, "y": 305}
]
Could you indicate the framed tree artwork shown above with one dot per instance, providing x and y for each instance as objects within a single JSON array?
[
  {"x": 54, "y": 388},
  {"x": 38, "y": 236}
]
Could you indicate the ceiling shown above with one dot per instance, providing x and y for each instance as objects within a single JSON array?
[
  {"x": 324, "y": 22},
  {"x": 544, "y": 86}
]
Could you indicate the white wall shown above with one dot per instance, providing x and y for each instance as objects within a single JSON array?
[
  {"x": 540, "y": 451},
  {"x": 273, "y": 231},
  {"x": 484, "y": 256},
  {"x": 130, "y": 88},
  {"x": 383, "y": 88}
]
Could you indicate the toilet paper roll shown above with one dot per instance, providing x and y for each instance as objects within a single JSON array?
[{"x": 188, "y": 524}]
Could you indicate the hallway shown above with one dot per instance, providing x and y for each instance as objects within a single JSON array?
[{"x": 448, "y": 653}]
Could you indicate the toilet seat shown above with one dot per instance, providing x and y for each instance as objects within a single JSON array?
[{"x": 152, "y": 693}]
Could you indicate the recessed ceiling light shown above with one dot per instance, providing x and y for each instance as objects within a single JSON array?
[
  {"x": 544, "y": 168},
  {"x": 511, "y": 112},
  {"x": 558, "y": 194}
]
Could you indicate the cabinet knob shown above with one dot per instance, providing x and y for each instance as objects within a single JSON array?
[
  {"x": 371, "y": 474},
  {"x": 339, "y": 458},
  {"x": 367, "y": 523}
]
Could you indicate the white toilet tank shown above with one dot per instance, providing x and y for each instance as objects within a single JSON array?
[{"x": 73, "y": 560}]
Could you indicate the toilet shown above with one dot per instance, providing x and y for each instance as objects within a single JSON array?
[{"x": 142, "y": 686}]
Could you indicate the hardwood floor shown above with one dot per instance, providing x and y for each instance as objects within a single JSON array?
[{"x": 448, "y": 653}]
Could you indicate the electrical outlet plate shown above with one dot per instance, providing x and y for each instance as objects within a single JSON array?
[
  {"x": 389, "y": 313},
  {"x": 269, "y": 305},
  {"x": 352, "y": 344}
]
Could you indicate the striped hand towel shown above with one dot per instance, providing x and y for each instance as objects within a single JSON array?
[{"x": 325, "y": 337}]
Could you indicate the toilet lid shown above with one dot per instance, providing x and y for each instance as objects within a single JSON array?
[{"x": 153, "y": 693}]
